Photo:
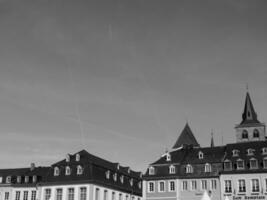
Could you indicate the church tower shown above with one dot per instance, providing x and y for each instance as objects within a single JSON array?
[{"x": 250, "y": 128}]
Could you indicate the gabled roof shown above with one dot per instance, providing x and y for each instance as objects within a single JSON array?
[
  {"x": 186, "y": 138},
  {"x": 249, "y": 115}
]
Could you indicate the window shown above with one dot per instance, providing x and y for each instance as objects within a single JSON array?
[
  {"x": 241, "y": 185},
  {"x": 25, "y": 195},
  {"x": 240, "y": 164},
  {"x": 161, "y": 186},
  {"x": 253, "y": 163},
  {"x": 120, "y": 196},
  {"x": 77, "y": 157},
  {"x": 250, "y": 152},
  {"x": 184, "y": 185},
  {"x": 113, "y": 196},
  {"x": 105, "y": 195},
  {"x": 1, "y": 179},
  {"x": 207, "y": 167},
  {"x": 67, "y": 170},
  {"x": 8, "y": 179},
  {"x": 122, "y": 178},
  {"x": 83, "y": 193},
  {"x": 194, "y": 185},
  {"x": 151, "y": 170},
  {"x": 115, "y": 177},
  {"x": 132, "y": 197},
  {"x": 200, "y": 155},
  {"x": 107, "y": 174},
  {"x": 26, "y": 179},
  {"x": 256, "y": 133},
  {"x": 204, "y": 184},
  {"x": 168, "y": 157},
  {"x": 17, "y": 197},
  {"x": 189, "y": 169},
  {"x": 6, "y": 195},
  {"x": 255, "y": 185},
  {"x": 140, "y": 184},
  {"x": 172, "y": 169},
  {"x": 126, "y": 197},
  {"x": 70, "y": 193},
  {"x": 264, "y": 150},
  {"x": 79, "y": 170},
  {"x": 245, "y": 134},
  {"x": 266, "y": 184},
  {"x": 97, "y": 194},
  {"x": 213, "y": 184},
  {"x": 59, "y": 193},
  {"x": 33, "y": 197},
  {"x": 265, "y": 163},
  {"x": 171, "y": 186},
  {"x": 47, "y": 194},
  {"x": 131, "y": 182},
  {"x": 34, "y": 179},
  {"x": 56, "y": 171},
  {"x": 68, "y": 158},
  {"x": 151, "y": 187},
  {"x": 235, "y": 152},
  {"x": 227, "y": 186},
  {"x": 227, "y": 165},
  {"x": 18, "y": 179}
]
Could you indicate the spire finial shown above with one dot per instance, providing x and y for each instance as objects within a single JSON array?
[{"x": 212, "y": 141}]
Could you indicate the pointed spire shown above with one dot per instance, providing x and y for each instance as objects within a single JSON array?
[
  {"x": 186, "y": 138},
  {"x": 249, "y": 115},
  {"x": 212, "y": 141}
]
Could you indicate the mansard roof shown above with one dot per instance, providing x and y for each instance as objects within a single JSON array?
[
  {"x": 186, "y": 138},
  {"x": 249, "y": 115}
]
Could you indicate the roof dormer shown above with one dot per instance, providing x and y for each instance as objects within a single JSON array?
[
  {"x": 250, "y": 152},
  {"x": 168, "y": 156},
  {"x": 235, "y": 152},
  {"x": 77, "y": 157},
  {"x": 200, "y": 155}
]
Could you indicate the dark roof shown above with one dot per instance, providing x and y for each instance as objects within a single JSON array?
[
  {"x": 249, "y": 115},
  {"x": 186, "y": 138}
]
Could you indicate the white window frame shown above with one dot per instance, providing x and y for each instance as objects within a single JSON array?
[
  {"x": 77, "y": 157},
  {"x": 235, "y": 152},
  {"x": 237, "y": 166},
  {"x": 159, "y": 186},
  {"x": 172, "y": 169},
  {"x": 228, "y": 187},
  {"x": 208, "y": 168},
  {"x": 170, "y": 189},
  {"x": 79, "y": 169},
  {"x": 240, "y": 186},
  {"x": 67, "y": 171},
  {"x": 250, "y": 152},
  {"x": 212, "y": 181},
  {"x": 257, "y": 164},
  {"x": 148, "y": 186},
  {"x": 252, "y": 185},
  {"x": 202, "y": 185},
  {"x": 56, "y": 171},
  {"x": 264, "y": 151},
  {"x": 189, "y": 169},
  {"x": 200, "y": 155},
  {"x": 193, "y": 188},
  {"x": 184, "y": 183},
  {"x": 168, "y": 157}
]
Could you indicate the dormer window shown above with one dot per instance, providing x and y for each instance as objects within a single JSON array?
[
  {"x": 244, "y": 134},
  {"x": 129, "y": 170},
  {"x": 256, "y": 133},
  {"x": 172, "y": 169},
  {"x": 264, "y": 150},
  {"x": 207, "y": 167},
  {"x": 107, "y": 174},
  {"x": 1, "y": 179},
  {"x": 56, "y": 171},
  {"x": 151, "y": 170},
  {"x": 68, "y": 158},
  {"x": 18, "y": 179},
  {"x": 115, "y": 177},
  {"x": 34, "y": 179},
  {"x": 189, "y": 169},
  {"x": 8, "y": 179},
  {"x": 131, "y": 182},
  {"x": 168, "y": 157},
  {"x": 77, "y": 157},
  {"x": 250, "y": 152},
  {"x": 67, "y": 171},
  {"x": 79, "y": 170},
  {"x": 26, "y": 179},
  {"x": 240, "y": 164},
  {"x": 253, "y": 163},
  {"x": 265, "y": 163},
  {"x": 227, "y": 165},
  {"x": 122, "y": 178},
  {"x": 118, "y": 166},
  {"x": 140, "y": 184},
  {"x": 235, "y": 152},
  {"x": 200, "y": 155}
]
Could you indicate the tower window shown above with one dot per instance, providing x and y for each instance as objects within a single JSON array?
[
  {"x": 245, "y": 134},
  {"x": 256, "y": 133}
]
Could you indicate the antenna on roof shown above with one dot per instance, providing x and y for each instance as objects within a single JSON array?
[{"x": 247, "y": 87}]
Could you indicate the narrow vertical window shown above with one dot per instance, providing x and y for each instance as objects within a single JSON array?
[
  {"x": 120, "y": 196},
  {"x": 184, "y": 185},
  {"x": 151, "y": 187},
  {"x": 25, "y": 195},
  {"x": 213, "y": 184},
  {"x": 17, "y": 197},
  {"x": 113, "y": 196},
  {"x": 194, "y": 184},
  {"x": 71, "y": 194},
  {"x": 33, "y": 197},
  {"x": 47, "y": 194},
  {"x": 204, "y": 184},
  {"x": 6, "y": 195},
  {"x": 241, "y": 185},
  {"x": 97, "y": 194},
  {"x": 161, "y": 186},
  {"x": 228, "y": 186},
  {"x": 83, "y": 194},
  {"x": 172, "y": 186},
  {"x": 255, "y": 185},
  {"x": 59, "y": 193},
  {"x": 105, "y": 195}
]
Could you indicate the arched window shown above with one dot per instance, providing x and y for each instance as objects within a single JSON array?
[
  {"x": 79, "y": 170},
  {"x": 56, "y": 171},
  {"x": 244, "y": 134},
  {"x": 200, "y": 155},
  {"x": 67, "y": 170},
  {"x": 107, "y": 174},
  {"x": 172, "y": 169},
  {"x": 151, "y": 170},
  {"x": 235, "y": 152},
  {"x": 256, "y": 133},
  {"x": 189, "y": 169},
  {"x": 207, "y": 167},
  {"x": 77, "y": 157},
  {"x": 168, "y": 157}
]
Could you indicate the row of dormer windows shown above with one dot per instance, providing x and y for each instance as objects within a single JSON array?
[
  {"x": 77, "y": 157},
  {"x": 121, "y": 178},
  {"x": 240, "y": 164},
  {"x": 68, "y": 170},
  {"x": 19, "y": 179},
  {"x": 250, "y": 152}
]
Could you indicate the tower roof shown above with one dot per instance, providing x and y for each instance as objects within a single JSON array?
[
  {"x": 249, "y": 115},
  {"x": 186, "y": 138}
]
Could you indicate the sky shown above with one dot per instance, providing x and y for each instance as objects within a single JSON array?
[{"x": 120, "y": 78}]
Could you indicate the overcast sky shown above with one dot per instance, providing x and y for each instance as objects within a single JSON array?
[{"x": 120, "y": 78}]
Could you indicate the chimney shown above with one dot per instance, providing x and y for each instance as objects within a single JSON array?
[{"x": 32, "y": 166}]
